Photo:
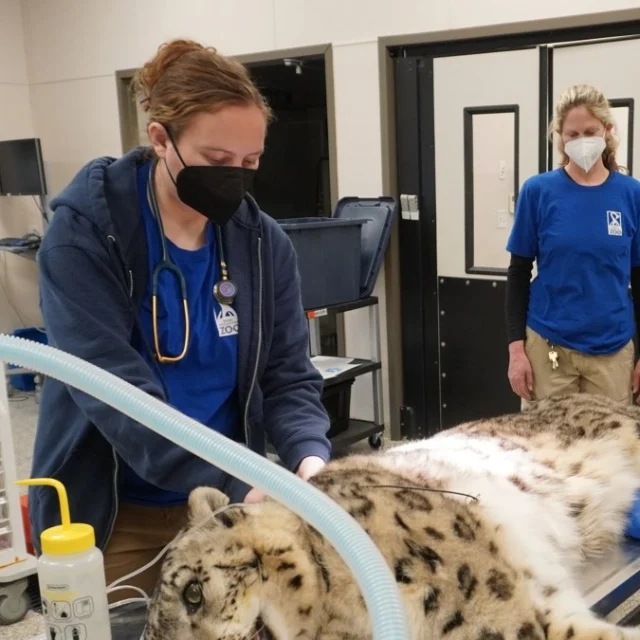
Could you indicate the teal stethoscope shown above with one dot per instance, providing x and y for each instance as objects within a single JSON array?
[{"x": 224, "y": 290}]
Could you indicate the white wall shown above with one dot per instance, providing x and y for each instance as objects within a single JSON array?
[
  {"x": 359, "y": 159},
  {"x": 75, "y": 46},
  {"x": 18, "y": 276}
]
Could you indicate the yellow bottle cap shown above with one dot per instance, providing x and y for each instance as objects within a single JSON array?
[{"x": 68, "y": 537}]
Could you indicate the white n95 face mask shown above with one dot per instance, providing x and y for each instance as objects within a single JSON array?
[{"x": 585, "y": 151}]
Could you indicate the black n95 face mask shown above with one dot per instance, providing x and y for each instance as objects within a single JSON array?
[{"x": 214, "y": 191}]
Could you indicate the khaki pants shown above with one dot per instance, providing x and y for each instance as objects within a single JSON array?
[
  {"x": 139, "y": 534},
  {"x": 607, "y": 375}
]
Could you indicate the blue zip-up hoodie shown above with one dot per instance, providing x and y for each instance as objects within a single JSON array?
[{"x": 93, "y": 275}]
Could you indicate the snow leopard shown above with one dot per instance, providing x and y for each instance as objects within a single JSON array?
[{"x": 484, "y": 526}]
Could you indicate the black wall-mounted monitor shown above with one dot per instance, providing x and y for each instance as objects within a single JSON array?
[{"x": 21, "y": 168}]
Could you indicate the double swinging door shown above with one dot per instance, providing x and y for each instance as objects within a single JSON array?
[{"x": 471, "y": 127}]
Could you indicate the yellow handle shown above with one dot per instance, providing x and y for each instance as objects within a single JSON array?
[{"x": 62, "y": 495}]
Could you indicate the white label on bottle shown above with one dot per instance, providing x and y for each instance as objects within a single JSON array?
[
  {"x": 65, "y": 619},
  {"x": 83, "y": 607},
  {"x": 75, "y": 632},
  {"x": 60, "y": 610},
  {"x": 74, "y": 599}
]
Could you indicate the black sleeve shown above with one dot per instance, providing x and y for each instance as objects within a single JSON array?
[
  {"x": 635, "y": 294},
  {"x": 517, "y": 296}
]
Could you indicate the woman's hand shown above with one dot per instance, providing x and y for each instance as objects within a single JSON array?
[
  {"x": 255, "y": 495},
  {"x": 520, "y": 371},
  {"x": 307, "y": 468}
]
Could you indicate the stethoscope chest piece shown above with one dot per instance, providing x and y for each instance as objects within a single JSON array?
[{"x": 225, "y": 291}]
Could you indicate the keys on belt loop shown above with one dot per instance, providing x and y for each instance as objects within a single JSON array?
[{"x": 553, "y": 356}]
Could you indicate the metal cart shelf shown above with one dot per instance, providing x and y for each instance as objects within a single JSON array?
[{"x": 358, "y": 429}]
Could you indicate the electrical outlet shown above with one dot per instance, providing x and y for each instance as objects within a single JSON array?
[
  {"x": 502, "y": 219},
  {"x": 502, "y": 173}
]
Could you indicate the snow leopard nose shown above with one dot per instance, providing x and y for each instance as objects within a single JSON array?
[{"x": 262, "y": 632}]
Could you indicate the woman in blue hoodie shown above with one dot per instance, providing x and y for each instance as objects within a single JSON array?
[{"x": 161, "y": 269}]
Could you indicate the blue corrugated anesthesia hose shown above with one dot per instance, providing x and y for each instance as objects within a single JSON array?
[{"x": 370, "y": 570}]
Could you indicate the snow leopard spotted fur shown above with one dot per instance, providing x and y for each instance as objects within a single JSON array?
[{"x": 553, "y": 487}]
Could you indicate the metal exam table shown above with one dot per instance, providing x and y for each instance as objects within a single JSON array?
[{"x": 611, "y": 584}]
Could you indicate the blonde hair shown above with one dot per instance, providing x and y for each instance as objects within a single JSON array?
[
  {"x": 584, "y": 95},
  {"x": 185, "y": 78}
]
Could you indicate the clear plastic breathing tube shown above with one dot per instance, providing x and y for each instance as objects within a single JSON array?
[{"x": 370, "y": 570}]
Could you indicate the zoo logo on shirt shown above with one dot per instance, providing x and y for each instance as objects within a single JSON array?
[
  {"x": 614, "y": 223},
  {"x": 227, "y": 321}
]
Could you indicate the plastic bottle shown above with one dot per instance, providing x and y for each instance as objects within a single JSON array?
[{"x": 71, "y": 576}]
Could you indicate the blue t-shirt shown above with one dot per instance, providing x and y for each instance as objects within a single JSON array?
[
  {"x": 585, "y": 241},
  {"x": 203, "y": 384}
]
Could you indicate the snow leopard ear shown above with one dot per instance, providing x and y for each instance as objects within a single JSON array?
[{"x": 203, "y": 501}]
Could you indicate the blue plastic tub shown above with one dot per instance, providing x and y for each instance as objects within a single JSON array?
[
  {"x": 379, "y": 215},
  {"x": 27, "y": 381},
  {"x": 328, "y": 253},
  {"x": 339, "y": 258}
]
